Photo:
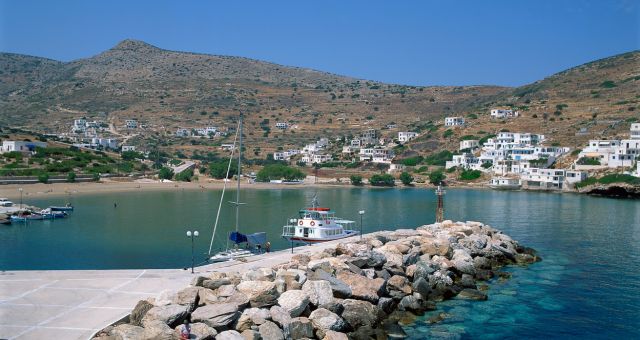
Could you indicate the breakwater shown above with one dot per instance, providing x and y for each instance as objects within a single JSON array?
[{"x": 357, "y": 289}]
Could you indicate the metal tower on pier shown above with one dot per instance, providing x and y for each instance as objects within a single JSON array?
[{"x": 440, "y": 208}]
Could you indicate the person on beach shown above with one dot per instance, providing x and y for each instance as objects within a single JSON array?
[
  {"x": 185, "y": 330},
  {"x": 267, "y": 246}
]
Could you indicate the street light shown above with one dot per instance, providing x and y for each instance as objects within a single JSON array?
[
  {"x": 192, "y": 235},
  {"x": 361, "y": 212},
  {"x": 20, "y": 189}
]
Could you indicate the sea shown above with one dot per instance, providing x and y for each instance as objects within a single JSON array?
[{"x": 586, "y": 286}]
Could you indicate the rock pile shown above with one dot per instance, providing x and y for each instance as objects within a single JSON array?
[{"x": 359, "y": 289}]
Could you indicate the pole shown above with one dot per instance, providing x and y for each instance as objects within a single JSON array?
[
  {"x": 192, "y": 259},
  {"x": 361, "y": 227},
  {"x": 291, "y": 246},
  {"x": 20, "y": 198}
]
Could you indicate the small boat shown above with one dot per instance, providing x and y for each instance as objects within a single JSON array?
[
  {"x": 505, "y": 183},
  {"x": 67, "y": 207},
  {"x": 51, "y": 214},
  {"x": 317, "y": 224},
  {"x": 26, "y": 216}
]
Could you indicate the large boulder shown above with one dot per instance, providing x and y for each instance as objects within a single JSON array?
[
  {"x": 398, "y": 287},
  {"x": 333, "y": 335},
  {"x": 439, "y": 246},
  {"x": 280, "y": 315},
  {"x": 472, "y": 294},
  {"x": 294, "y": 301},
  {"x": 229, "y": 335},
  {"x": 359, "y": 313},
  {"x": 463, "y": 262},
  {"x": 352, "y": 248},
  {"x": 260, "y": 293},
  {"x": 171, "y": 315},
  {"x": 298, "y": 328},
  {"x": 157, "y": 330},
  {"x": 259, "y": 274},
  {"x": 139, "y": 311},
  {"x": 216, "y": 316},
  {"x": 126, "y": 332},
  {"x": 340, "y": 289},
  {"x": 423, "y": 270},
  {"x": 188, "y": 297},
  {"x": 421, "y": 286},
  {"x": 319, "y": 292},
  {"x": 328, "y": 264},
  {"x": 362, "y": 287},
  {"x": 199, "y": 331},
  {"x": 215, "y": 283},
  {"x": 270, "y": 331},
  {"x": 324, "y": 320}
]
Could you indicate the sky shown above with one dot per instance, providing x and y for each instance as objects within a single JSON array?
[{"x": 507, "y": 43}]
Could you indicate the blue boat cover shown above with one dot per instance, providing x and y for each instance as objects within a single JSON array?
[
  {"x": 237, "y": 237},
  {"x": 255, "y": 238}
]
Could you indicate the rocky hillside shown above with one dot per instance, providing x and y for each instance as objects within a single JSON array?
[{"x": 167, "y": 89}]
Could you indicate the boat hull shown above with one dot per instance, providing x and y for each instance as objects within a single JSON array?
[
  {"x": 319, "y": 240},
  {"x": 505, "y": 187}
]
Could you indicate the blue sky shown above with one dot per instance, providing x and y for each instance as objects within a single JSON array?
[{"x": 406, "y": 42}]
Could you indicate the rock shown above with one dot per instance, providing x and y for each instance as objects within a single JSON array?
[
  {"x": 393, "y": 331},
  {"x": 198, "y": 280},
  {"x": 139, "y": 311},
  {"x": 439, "y": 246},
  {"x": 319, "y": 292},
  {"x": 260, "y": 293},
  {"x": 359, "y": 313},
  {"x": 126, "y": 332},
  {"x": 281, "y": 286},
  {"x": 410, "y": 270},
  {"x": 280, "y": 315},
  {"x": 301, "y": 260},
  {"x": 369, "y": 273},
  {"x": 411, "y": 257},
  {"x": 340, "y": 289},
  {"x": 171, "y": 315},
  {"x": 333, "y": 335},
  {"x": 481, "y": 262},
  {"x": 324, "y": 320},
  {"x": 525, "y": 258},
  {"x": 392, "y": 255},
  {"x": 410, "y": 303},
  {"x": 383, "y": 274},
  {"x": 483, "y": 274},
  {"x": 362, "y": 287},
  {"x": 215, "y": 283},
  {"x": 217, "y": 315},
  {"x": 157, "y": 330},
  {"x": 334, "y": 306},
  {"x": 437, "y": 318},
  {"x": 239, "y": 299},
  {"x": 229, "y": 335},
  {"x": 398, "y": 287},
  {"x": 352, "y": 248},
  {"x": 200, "y": 331},
  {"x": 328, "y": 264},
  {"x": 298, "y": 328},
  {"x": 270, "y": 331},
  {"x": 250, "y": 334},
  {"x": 463, "y": 262},
  {"x": 226, "y": 290},
  {"x": 188, "y": 297},
  {"x": 421, "y": 286},
  {"x": 375, "y": 259},
  {"x": 472, "y": 294},
  {"x": 423, "y": 270},
  {"x": 260, "y": 274},
  {"x": 386, "y": 304},
  {"x": 294, "y": 301},
  {"x": 164, "y": 298},
  {"x": 467, "y": 281}
]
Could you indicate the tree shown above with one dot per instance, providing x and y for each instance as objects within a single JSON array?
[
  {"x": 131, "y": 155},
  {"x": 382, "y": 180},
  {"x": 165, "y": 173},
  {"x": 406, "y": 178},
  {"x": 219, "y": 169},
  {"x": 43, "y": 178},
  {"x": 436, "y": 177},
  {"x": 356, "y": 179},
  {"x": 185, "y": 176},
  {"x": 278, "y": 172},
  {"x": 71, "y": 177},
  {"x": 470, "y": 175}
]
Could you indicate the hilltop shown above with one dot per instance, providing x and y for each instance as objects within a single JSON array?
[{"x": 168, "y": 89}]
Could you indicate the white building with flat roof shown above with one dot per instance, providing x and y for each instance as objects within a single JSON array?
[
  {"x": 453, "y": 121},
  {"x": 405, "y": 136},
  {"x": 21, "y": 146},
  {"x": 503, "y": 113},
  {"x": 131, "y": 123},
  {"x": 126, "y": 148},
  {"x": 557, "y": 179},
  {"x": 282, "y": 125},
  {"x": 469, "y": 144}
]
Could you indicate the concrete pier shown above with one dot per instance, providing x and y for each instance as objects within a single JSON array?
[{"x": 75, "y": 304}]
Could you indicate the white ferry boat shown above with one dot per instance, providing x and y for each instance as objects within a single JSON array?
[
  {"x": 505, "y": 183},
  {"x": 317, "y": 224}
]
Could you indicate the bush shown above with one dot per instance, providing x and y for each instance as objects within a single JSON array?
[
  {"x": 609, "y": 179},
  {"x": 412, "y": 161},
  {"x": 470, "y": 175},
  {"x": 486, "y": 165},
  {"x": 131, "y": 155},
  {"x": 277, "y": 172},
  {"x": 43, "y": 178},
  {"x": 96, "y": 177},
  {"x": 406, "y": 178},
  {"x": 71, "y": 177},
  {"x": 219, "y": 169},
  {"x": 607, "y": 84},
  {"x": 436, "y": 177},
  {"x": 356, "y": 179},
  {"x": 588, "y": 161},
  {"x": 165, "y": 173},
  {"x": 382, "y": 180},
  {"x": 447, "y": 133},
  {"x": 185, "y": 176},
  {"x": 439, "y": 158}
]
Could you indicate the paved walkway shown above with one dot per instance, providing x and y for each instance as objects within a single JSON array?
[{"x": 75, "y": 304}]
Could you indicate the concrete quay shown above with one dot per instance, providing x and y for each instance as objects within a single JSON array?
[{"x": 75, "y": 304}]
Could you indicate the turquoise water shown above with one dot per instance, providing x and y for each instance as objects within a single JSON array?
[{"x": 587, "y": 286}]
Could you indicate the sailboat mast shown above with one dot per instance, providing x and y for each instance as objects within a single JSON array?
[{"x": 239, "y": 172}]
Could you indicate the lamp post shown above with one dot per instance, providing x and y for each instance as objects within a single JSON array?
[
  {"x": 361, "y": 212},
  {"x": 20, "y": 189},
  {"x": 192, "y": 236}
]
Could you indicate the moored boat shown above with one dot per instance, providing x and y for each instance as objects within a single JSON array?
[
  {"x": 24, "y": 216},
  {"x": 317, "y": 224},
  {"x": 67, "y": 207}
]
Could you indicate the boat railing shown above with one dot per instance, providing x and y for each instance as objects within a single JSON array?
[{"x": 288, "y": 231}]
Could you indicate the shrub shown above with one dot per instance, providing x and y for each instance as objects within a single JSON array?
[
  {"x": 165, "y": 173},
  {"x": 412, "y": 161},
  {"x": 588, "y": 161},
  {"x": 470, "y": 175},
  {"x": 436, "y": 177},
  {"x": 185, "y": 176},
  {"x": 448, "y": 133},
  {"x": 356, "y": 179},
  {"x": 382, "y": 180},
  {"x": 487, "y": 165},
  {"x": 219, "y": 169},
  {"x": 439, "y": 158},
  {"x": 43, "y": 178},
  {"x": 71, "y": 177},
  {"x": 277, "y": 172},
  {"x": 607, "y": 84},
  {"x": 406, "y": 178},
  {"x": 96, "y": 177}
]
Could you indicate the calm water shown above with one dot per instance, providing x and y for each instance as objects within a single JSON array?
[{"x": 588, "y": 284}]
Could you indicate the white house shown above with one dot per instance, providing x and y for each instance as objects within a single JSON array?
[
  {"x": 282, "y": 125},
  {"x": 369, "y": 136},
  {"x": 469, "y": 144},
  {"x": 465, "y": 161},
  {"x": 110, "y": 143},
  {"x": 635, "y": 131},
  {"x": 181, "y": 132},
  {"x": 500, "y": 113},
  {"x": 227, "y": 147},
  {"x": 79, "y": 125},
  {"x": 280, "y": 156},
  {"x": 21, "y": 146},
  {"x": 404, "y": 137},
  {"x": 376, "y": 155},
  {"x": 126, "y": 148},
  {"x": 454, "y": 121},
  {"x": 551, "y": 178},
  {"x": 131, "y": 123},
  {"x": 396, "y": 168},
  {"x": 316, "y": 158}
]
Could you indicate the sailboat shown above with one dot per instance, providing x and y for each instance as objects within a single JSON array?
[{"x": 238, "y": 239}]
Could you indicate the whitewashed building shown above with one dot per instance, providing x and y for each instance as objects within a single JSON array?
[
  {"x": 131, "y": 123},
  {"x": 551, "y": 178},
  {"x": 110, "y": 143},
  {"x": 376, "y": 155},
  {"x": 79, "y": 125},
  {"x": 368, "y": 137},
  {"x": 454, "y": 121},
  {"x": 405, "y": 136},
  {"x": 502, "y": 113},
  {"x": 181, "y": 132},
  {"x": 21, "y": 146},
  {"x": 126, "y": 148},
  {"x": 469, "y": 144},
  {"x": 316, "y": 158},
  {"x": 282, "y": 125}
]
